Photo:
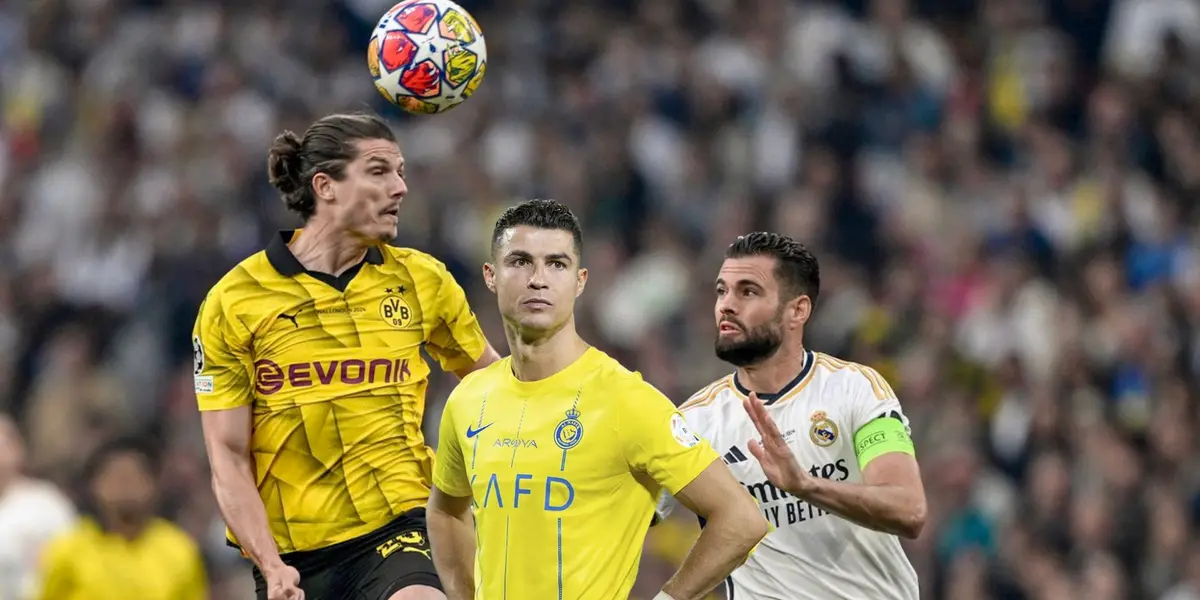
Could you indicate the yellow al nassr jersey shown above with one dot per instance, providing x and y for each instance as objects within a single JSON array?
[
  {"x": 563, "y": 474},
  {"x": 89, "y": 563},
  {"x": 332, "y": 368}
]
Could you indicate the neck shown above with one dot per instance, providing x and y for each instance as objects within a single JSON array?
[
  {"x": 772, "y": 374},
  {"x": 129, "y": 529},
  {"x": 536, "y": 358},
  {"x": 323, "y": 248}
]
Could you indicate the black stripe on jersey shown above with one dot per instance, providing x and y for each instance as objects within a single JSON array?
[
  {"x": 770, "y": 399},
  {"x": 729, "y": 588},
  {"x": 734, "y": 456},
  {"x": 281, "y": 257}
]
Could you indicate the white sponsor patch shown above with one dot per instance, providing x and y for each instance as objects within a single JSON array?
[
  {"x": 682, "y": 433},
  {"x": 204, "y": 384}
]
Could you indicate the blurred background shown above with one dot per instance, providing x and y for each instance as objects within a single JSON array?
[{"x": 1003, "y": 196}]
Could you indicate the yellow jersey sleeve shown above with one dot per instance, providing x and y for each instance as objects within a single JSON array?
[
  {"x": 456, "y": 340},
  {"x": 54, "y": 570},
  {"x": 221, "y": 358},
  {"x": 449, "y": 468},
  {"x": 656, "y": 439}
]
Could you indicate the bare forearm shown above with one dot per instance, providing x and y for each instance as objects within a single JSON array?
[
  {"x": 723, "y": 545},
  {"x": 452, "y": 539},
  {"x": 242, "y": 507},
  {"x": 888, "y": 508}
]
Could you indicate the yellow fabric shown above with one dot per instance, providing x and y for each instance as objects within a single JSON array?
[
  {"x": 337, "y": 383},
  {"x": 563, "y": 474},
  {"x": 90, "y": 564}
]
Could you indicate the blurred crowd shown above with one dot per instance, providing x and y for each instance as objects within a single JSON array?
[{"x": 1003, "y": 195}]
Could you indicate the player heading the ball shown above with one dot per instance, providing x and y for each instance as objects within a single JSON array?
[
  {"x": 820, "y": 442},
  {"x": 561, "y": 451},
  {"x": 311, "y": 383}
]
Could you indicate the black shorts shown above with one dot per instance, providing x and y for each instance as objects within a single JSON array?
[{"x": 370, "y": 567}]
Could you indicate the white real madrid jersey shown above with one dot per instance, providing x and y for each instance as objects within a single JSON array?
[{"x": 810, "y": 554}]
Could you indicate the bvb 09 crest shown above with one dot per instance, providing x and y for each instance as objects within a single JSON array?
[
  {"x": 569, "y": 431},
  {"x": 394, "y": 310}
]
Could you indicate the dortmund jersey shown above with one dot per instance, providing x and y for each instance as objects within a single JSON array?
[
  {"x": 563, "y": 474},
  {"x": 333, "y": 370}
]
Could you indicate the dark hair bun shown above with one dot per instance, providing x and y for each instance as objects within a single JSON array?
[{"x": 284, "y": 163}]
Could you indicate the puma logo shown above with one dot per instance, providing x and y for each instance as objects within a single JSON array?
[
  {"x": 409, "y": 541},
  {"x": 291, "y": 317}
]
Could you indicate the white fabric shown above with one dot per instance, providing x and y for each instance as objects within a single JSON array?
[
  {"x": 31, "y": 514},
  {"x": 810, "y": 554}
]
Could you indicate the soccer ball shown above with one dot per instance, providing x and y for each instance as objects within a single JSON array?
[{"x": 427, "y": 56}]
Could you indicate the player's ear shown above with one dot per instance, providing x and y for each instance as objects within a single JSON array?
[
  {"x": 801, "y": 309},
  {"x": 322, "y": 185},
  {"x": 489, "y": 277},
  {"x": 580, "y": 281}
]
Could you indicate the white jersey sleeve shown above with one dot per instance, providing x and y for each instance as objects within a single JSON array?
[{"x": 871, "y": 397}]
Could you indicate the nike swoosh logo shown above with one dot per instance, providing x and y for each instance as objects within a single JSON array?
[{"x": 474, "y": 432}]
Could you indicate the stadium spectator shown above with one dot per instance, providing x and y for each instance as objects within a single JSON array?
[
  {"x": 32, "y": 513},
  {"x": 122, "y": 550}
]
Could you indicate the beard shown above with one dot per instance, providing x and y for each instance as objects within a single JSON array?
[{"x": 757, "y": 344}]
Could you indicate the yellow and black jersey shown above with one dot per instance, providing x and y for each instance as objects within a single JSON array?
[{"x": 333, "y": 370}]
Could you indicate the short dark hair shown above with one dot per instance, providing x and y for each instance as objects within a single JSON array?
[
  {"x": 795, "y": 267},
  {"x": 113, "y": 448},
  {"x": 542, "y": 214},
  {"x": 327, "y": 147}
]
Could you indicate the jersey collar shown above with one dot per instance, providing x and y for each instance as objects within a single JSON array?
[
  {"x": 282, "y": 259},
  {"x": 770, "y": 399}
]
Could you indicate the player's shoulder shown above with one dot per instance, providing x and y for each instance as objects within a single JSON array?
[
  {"x": 607, "y": 372},
  {"x": 170, "y": 536},
  {"x": 415, "y": 261},
  {"x": 711, "y": 396},
  {"x": 480, "y": 380},
  {"x": 76, "y": 539},
  {"x": 243, "y": 281},
  {"x": 840, "y": 375},
  {"x": 43, "y": 494}
]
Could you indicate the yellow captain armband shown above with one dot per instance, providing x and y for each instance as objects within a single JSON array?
[{"x": 879, "y": 437}]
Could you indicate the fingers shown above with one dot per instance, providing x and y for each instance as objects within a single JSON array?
[{"x": 757, "y": 450}]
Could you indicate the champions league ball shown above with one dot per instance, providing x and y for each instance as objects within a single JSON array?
[{"x": 427, "y": 56}]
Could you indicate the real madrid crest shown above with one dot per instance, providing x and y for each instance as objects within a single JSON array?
[
  {"x": 824, "y": 431},
  {"x": 569, "y": 431},
  {"x": 394, "y": 310}
]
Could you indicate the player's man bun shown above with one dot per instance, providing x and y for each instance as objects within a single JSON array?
[
  {"x": 327, "y": 147},
  {"x": 284, "y": 164}
]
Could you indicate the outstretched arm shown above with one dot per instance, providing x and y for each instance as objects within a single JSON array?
[
  {"x": 891, "y": 497},
  {"x": 734, "y": 526}
]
